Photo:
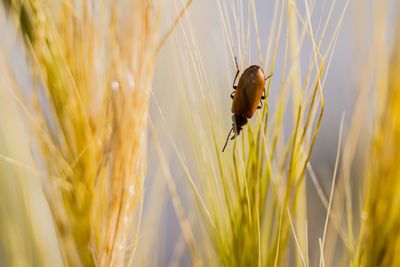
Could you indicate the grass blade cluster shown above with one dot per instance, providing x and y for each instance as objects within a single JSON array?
[{"x": 252, "y": 198}]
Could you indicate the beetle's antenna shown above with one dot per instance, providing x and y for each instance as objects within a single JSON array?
[{"x": 227, "y": 139}]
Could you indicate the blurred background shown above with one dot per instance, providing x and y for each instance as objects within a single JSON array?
[{"x": 197, "y": 55}]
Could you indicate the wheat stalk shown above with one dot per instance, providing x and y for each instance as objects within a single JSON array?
[
  {"x": 379, "y": 240},
  {"x": 93, "y": 65}
]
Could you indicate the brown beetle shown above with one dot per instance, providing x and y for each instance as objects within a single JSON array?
[{"x": 247, "y": 97}]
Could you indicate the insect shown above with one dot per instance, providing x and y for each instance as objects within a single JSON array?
[{"x": 247, "y": 97}]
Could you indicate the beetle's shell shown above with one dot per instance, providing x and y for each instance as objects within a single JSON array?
[{"x": 248, "y": 92}]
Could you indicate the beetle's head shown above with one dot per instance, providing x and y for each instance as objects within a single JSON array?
[{"x": 237, "y": 124}]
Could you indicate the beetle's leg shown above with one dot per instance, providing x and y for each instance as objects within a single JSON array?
[
  {"x": 237, "y": 73},
  {"x": 263, "y": 96},
  {"x": 233, "y": 85},
  {"x": 259, "y": 106},
  {"x": 233, "y": 93},
  {"x": 236, "y": 133}
]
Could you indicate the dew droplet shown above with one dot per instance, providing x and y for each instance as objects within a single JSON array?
[
  {"x": 131, "y": 190},
  {"x": 364, "y": 215},
  {"x": 130, "y": 80},
  {"x": 114, "y": 85}
]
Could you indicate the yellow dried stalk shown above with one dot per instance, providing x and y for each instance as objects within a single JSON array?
[
  {"x": 379, "y": 241},
  {"x": 94, "y": 65}
]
